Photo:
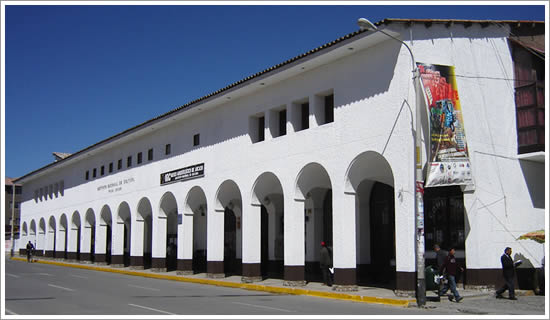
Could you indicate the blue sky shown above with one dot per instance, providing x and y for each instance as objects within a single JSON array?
[{"x": 76, "y": 75}]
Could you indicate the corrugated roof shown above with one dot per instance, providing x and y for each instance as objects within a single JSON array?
[{"x": 278, "y": 66}]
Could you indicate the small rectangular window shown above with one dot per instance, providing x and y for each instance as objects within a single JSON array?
[
  {"x": 168, "y": 149},
  {"x": 282, "y": 122},
  {"x": 150, "y": 154},
  {"x": 110, "y": 167},
  {"x": 139, "y": 158},
  {"x": 94, "y": 174},
  {"x": 261, "y": 129},
  {"x": 102, "y": 170},
  {"x": 88, "y": 175},
  {"x": 329, "y": 108},
  {"x": 119, "y": 164},
  {"x": 129, "y": 162},
  {"x": 305, "y": 116},
  {"x": 196, "y": 139}
]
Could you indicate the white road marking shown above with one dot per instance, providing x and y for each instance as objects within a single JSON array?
[
  {"x": 10, "y": 312},
  {"x": 135, "y": 305},
  {"x": 77, "y": 276},
  {"x": 51, "y": 285},
  {"x": 12, "y": 275},
  {"x": 43, "y": 274},
  {"x": 130, "y": 285},
  {"x": 257, "y": 306}
]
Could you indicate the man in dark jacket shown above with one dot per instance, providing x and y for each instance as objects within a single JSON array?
[
  {"x": 449, "y": 268},
  {"x": 30, "y": 251},
  {"x": 440, "y": 256},
  {"x": 508, "y": 271},
  {"x": 326, "y": 263}
]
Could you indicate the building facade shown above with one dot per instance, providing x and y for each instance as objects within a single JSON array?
[
  {"x": 251, "y": 178},
  {"x": 12, "y": 208}
]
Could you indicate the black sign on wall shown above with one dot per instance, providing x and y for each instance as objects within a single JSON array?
[{"x": 183, "y": 174}]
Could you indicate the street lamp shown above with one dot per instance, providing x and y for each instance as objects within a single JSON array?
[{"x": 365, "y": 24}]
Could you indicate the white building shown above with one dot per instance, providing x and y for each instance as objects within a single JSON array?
[{"x": 317, "y": 148}]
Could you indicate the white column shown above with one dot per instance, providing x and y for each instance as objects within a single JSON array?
[
  {"x": 101, "y": 239},
  {"x": 72, "y": 239},
  {"x": 185, "y": 237},
  {"x": 136, "y": 246},
  {"x": 290, "y": 117},
  {"x": 343, "y": 222},
  {"x": 59, "y": 242},
  {"x": 315, "y": 107},
  {"x": 251, "y": 229},
  {"x": 159, "y": 237},
  {"x": 40, "y": 242},
  {"x": 294, "y": 232},
  {"x": 117, "y": 244},
  {"x": 405, "y": 228},
  {"x": 85, "y": 239},
  {"x": 267, "y": 126},
  {"x": 50, "y": 237},
  {"x": 215, "y": 235}
]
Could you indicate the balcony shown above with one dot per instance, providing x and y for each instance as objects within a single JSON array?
[{"x": 530, "y": 120}]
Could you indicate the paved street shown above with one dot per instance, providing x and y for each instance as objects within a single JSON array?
[{"x": 41, "y": 289}]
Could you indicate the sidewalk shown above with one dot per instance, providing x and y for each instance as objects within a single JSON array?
[{"x": 315, "y": 289}]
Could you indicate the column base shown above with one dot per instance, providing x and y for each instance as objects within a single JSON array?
[
  {"x": 345, "y": 288},
  {"x": 184, "y": 272},
  {"x": 117, "y": 265},
  {"x": 246, "y": 279},
  {"x": 215, "y": 275},
  {"x": 158, "y": 269},
  {"x": 294, "y": 283}
]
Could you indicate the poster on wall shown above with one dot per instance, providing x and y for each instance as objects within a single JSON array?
[{"x": 448, "y": 162}]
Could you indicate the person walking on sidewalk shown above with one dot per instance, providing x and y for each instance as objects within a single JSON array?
[
  {"x": 326, "y": 263},
  {"x": 508, "y": 271},
  {"x": 30, "y": 251},
  {"x": 449, "y": 268}
]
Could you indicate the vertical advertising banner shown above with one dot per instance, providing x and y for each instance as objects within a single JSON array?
[{"x": 448, "y": 163}]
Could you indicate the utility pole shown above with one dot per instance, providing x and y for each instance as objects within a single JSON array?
[{"x": 12, "y": 219}]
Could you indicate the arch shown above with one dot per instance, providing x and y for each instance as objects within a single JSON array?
[
  {"x": 312, "y": 175},
  {"x": 105, "y": 229},
  {"x": 75, "y": 235},
  {"x": 33, "y": 228},
  {"x": 267, "y": 193},
  {"x": 145, "y": 212},
  {"x": 124, "y": 238},
  {"x": 229, "y": 200},
  {"x": 196, "y": 205},
  {"x": 89, "y": 234},
  {"x": 314, "y": 189},
  {"x": 63, "y": 228},
  {"x": 42, "y": 226},
  {"x": 89, "y": 220},
  {"x": 51, "y": 237},
  {"x": 168, "y": 209},
  {"x": 41, "y": 237},
  {"x": 370, "y": 178},
  {"x": 24, "y": 229},
  {"x": 369, "y": 165}
]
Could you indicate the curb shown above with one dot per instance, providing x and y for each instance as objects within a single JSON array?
[{"x": 254, "y": 287}]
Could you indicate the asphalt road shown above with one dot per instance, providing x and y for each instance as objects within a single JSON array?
[{"x": 41, "y": 289}]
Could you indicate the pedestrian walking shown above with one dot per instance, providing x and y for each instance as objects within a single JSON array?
[
  {"x": 440, "y": 255},
  {"x": 449, "y": 269},
  {"x": 30, "y": 251},
  {"x": 326, "y": 263},
  {"x": 508, "y": 271}
]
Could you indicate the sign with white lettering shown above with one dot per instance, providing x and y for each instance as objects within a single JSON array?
[{"x": 183, "y": 174}]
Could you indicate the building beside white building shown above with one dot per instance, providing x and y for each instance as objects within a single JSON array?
[{"x": 250, "y": 179}]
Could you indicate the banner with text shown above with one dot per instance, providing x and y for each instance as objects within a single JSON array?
[
  {"x": 448, "y": 163},
  {"x": 183, "y": 174}
]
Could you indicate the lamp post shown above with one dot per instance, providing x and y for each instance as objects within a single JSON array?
[
  {"x": 12, "y": 219},
  {"x": 365, "y": 24}
]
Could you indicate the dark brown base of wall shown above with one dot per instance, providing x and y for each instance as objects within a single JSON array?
[
  {"x": 85, "y": 256},
  {"x": 344, "y": 277},
  {"x": 158, "y": 263},
  {"x": 214, "y": 269},
  {"x": 294, "y": 273},
  {"x": 117, "y": 260},
  {"x": 185, "y": 265},
  {"x": 136, "y": 262},
  {"x": 72, "y": 255},
  {"x": 100, "y": 258},
  {"x": 405, "y": 281},
  {"x": 252, "y": 270},
  {"x": 49, "y": 253}
]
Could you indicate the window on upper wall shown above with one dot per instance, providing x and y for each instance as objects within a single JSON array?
[
  {"x": 196, "y": 139},
  {"x": 329, "y": 108},
  {"x": 94, "y": 173},
  {"x": 139, "y": 158},
  {"x": 256, "y": 127},
  {"x": 150, "y": 154},
  {"x": 282, "y": 122},
  {"x": 87, "y": 175},
  {"x": 110, "y": 167},
  {"x": 129, "y": 162},
  {"x": 119, "y": 164},
  {"x": 102, "y": 170},
  {"x": 168, "y": 149}
]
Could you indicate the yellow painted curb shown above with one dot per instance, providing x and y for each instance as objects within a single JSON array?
[{"x": 255, "y": 287}]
